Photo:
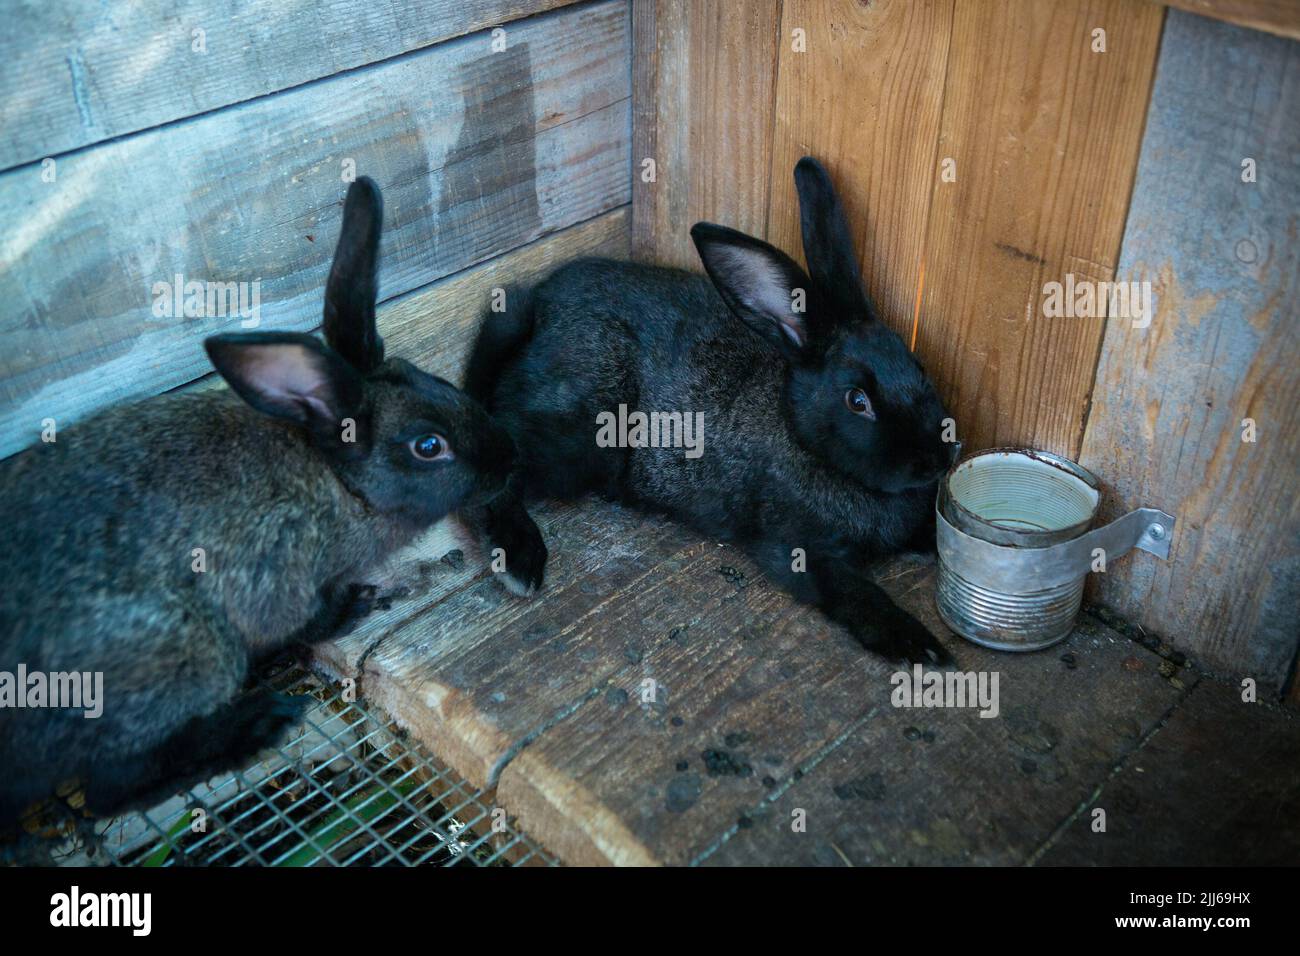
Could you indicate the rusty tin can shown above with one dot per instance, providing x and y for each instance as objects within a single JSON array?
[{"x": 1015, "y": 547}]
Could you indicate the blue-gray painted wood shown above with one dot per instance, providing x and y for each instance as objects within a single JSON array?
[
  {"x": 1224, "y": 345},
  {"x": 75, "y": 72},
  {"x": 477, "y": 152}
]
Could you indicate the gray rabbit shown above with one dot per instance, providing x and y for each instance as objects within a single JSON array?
[
  {"x": 167, "y": 544},
  {"x": 823, "y": 435}
]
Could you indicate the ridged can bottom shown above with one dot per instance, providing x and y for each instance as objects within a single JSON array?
[{"x": 1008, "y": 622}]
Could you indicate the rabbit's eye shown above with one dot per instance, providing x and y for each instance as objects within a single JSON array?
[
  {"x": 857, "y": 402},
  {"x": 429, "y": 447}
]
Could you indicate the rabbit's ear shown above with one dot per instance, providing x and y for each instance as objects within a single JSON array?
[
  {"x": 827, "y": 243},
  {"x": 760, "y": 283},
  {"x": 290, "y": 375},
  {"x": 354, "y": 279}
]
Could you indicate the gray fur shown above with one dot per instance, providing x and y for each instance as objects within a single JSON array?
[{"x": 97, "y": 558}]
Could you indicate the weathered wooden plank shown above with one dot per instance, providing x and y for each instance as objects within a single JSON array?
[
  {"x": 1275, "y": 16},
  {"x": 865, "y": 98},
  {"x": 1166, "y": 427},
  {"x": 746, "y": 686},
  {"x": 645, "y": 127},
  {"x": 1044, "y": 134},
  {"x": 434, "y": 327},
  {"x": 477, "y": 152},
  {"x": 711, "y": 107},
  {"x": 1218, "y": 785},
  {"x": 75, "y": 74},
  {"x": 476, "y": 672},
  {"x": 944, "y": 786}
]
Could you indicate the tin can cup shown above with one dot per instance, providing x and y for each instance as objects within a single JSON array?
[
  {"x": 1013, "y": 529},
  {"x": 1020, "y": 501}
]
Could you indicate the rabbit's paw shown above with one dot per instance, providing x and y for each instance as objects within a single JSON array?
[
  {"x": 359, "y": 601},
  {"x": 907, "y": 640},
  {"x": 525, "y": 556},
  {"x": 262, "y": 718}
]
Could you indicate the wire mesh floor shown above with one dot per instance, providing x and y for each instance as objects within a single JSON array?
[{"x": 349, "y": 788}]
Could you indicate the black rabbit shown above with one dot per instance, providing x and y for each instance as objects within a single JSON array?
[
  {"x": 823, "y": 436},
  {"x": 166, "y": 544}
]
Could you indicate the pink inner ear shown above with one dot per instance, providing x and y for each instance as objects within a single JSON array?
[
  {"x": 290, "y": 374},
  {"x": 763, "y": 287}
]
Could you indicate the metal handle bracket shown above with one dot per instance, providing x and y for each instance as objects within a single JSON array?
[{"x": 1029, "y": 570}]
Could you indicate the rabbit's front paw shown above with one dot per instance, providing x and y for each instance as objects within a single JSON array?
[
  {"x": 263, "y": 718},
  {"x": 906, "y": 639},
  {"x": 525, "y": 556}
]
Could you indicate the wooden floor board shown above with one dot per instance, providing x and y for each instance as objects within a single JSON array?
[
  {"x": 478, "y": 670},
  {"x": 732, "y": 686},
  {"x": 946, "y": 786},
  {"x": 1219, "y": 784},
  {"x": 662, "y": 703}
]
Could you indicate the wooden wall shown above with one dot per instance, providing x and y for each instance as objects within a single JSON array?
[
  {"x": 1224, "y": 346},
  {"x": 211, "y": 139},
  {"x": 1045, "y": 135}
]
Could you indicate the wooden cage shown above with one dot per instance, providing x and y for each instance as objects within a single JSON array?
[{"x": 984, "y": 150}]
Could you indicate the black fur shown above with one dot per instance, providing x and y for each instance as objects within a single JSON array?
[
  {"x": 353, "y": 284},
  {"x": 786, "y": 464},
  {"x": 504, "y": 521},
  {"x": 100, "y": 526}
]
